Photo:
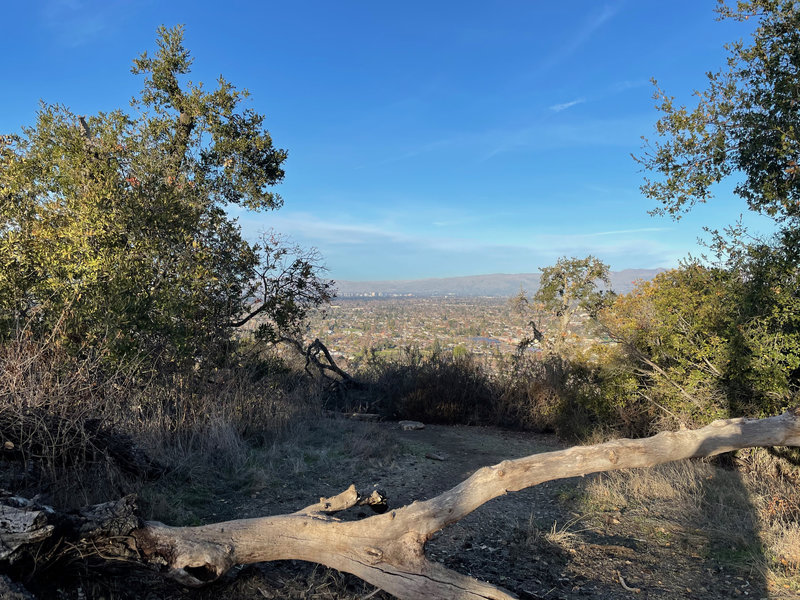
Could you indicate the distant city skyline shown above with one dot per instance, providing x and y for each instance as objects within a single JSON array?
[{"x": 425, "y": 139}]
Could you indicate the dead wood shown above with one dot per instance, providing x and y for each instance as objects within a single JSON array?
[
  {"x": 312, "y": 357},
  {"x": 387, "y": 550}
]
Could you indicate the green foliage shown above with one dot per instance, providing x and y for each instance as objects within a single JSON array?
[
  {"x": 113, "y": 228},
  {"x": 460, "y": 352},
  {"x": 745, "y": 122},
  {"x": 571, "y": 281},
  {"x": 706, "y": 342},
  {"x": 727, "y": 338},
  {"x": 674, "y": 332},
  {"x": 565, "y": 288},
  {"x": 764, "y": 368}
]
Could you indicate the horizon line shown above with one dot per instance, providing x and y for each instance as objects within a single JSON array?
[{"x": 529, "y": 273}]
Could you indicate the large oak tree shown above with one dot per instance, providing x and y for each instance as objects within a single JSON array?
[{"x": 113, "y": 227}]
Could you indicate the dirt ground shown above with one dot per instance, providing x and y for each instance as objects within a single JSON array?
[
  {"x": 545, "y": 542},
  {"x": 538, "y": 543}
]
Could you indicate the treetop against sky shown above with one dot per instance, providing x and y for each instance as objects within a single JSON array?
[{"x": 425, "y": 139}]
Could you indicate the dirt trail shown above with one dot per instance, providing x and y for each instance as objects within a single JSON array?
[{"x": 538, "y": 543}]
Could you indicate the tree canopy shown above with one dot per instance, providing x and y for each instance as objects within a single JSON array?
[
  {"x": 565, "y": 288},
  {"x": 114, "y": 230},
  {"x": 745, "y": 124},
  {"x": 728, "y": 334}
]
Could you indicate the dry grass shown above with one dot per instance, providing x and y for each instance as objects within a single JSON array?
[
  {"x": 563, "y": 537},
  {"x": 527, "y": 392},
  {"x": 191, "y": 493},
  {"x": 566, "y": 535},
  {"x": 748, "y": 516},
  {"x": 300, "y": 581},
  {"x": 76, "y": 431},
  {"x": 211, "y": 434},
  {"x": 54, "y": 411},
  {"x": 438, "y": 388}
]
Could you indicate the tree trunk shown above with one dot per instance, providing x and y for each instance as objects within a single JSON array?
[{"x": 387, "y": 550}]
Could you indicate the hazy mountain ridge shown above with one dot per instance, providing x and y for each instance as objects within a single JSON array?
[{"x": 496, "y": 284}]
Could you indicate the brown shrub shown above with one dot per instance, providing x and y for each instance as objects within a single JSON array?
[
  {"x": 436, "y": 388},
  {"x": 78, "y": 431}
]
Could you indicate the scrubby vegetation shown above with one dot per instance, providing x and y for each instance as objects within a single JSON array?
[
  {"x": 140, "y": 333},
  {"x": 79, "y": 433},
  {"x": 756, "y": 530}
]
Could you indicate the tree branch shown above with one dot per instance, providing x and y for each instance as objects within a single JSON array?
[
  {"x": 388, "y": 550},
  {"x": 312, "y": 354}
]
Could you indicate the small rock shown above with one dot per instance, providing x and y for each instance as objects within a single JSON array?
[
  {"x": 411, "y": 425},
  {"x": 433, "y": 456},
  {"x": 371, "y": 417}
]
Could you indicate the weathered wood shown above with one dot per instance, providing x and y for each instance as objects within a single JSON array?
[
  {"x": 20, "y": 526},
  {"x": 387, "y": 550},
  {"x": 28, "y": 528}
]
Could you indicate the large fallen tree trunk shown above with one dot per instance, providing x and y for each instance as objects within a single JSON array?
[{"x": 387, "y": 550}]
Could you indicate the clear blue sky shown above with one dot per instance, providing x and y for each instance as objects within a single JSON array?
[{"x": 425, "y": 139}]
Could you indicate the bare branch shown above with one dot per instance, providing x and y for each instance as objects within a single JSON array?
[{"x": 388, "y": 550}]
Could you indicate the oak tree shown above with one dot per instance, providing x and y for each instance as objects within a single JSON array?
[
  {"x": 565, "y": 289},
  {"x": 745, "y": 124},
  {"x": 113, "y": 227},
  {"x": 745, "y": 127}
]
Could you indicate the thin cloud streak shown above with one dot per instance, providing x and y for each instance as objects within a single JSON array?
[
  {"x": 623, "y": 131},
  {"x": 566, "y": 105},
  {"x": 581, "y": 37},
  {"x": 616, "y": 132},
  {"x": 381, "y": 244},
  {"x": 313, "y": 228},
  {"x": 626, "y": 231}
]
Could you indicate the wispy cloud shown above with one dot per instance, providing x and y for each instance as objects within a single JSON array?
[
  {"x": 383, "y": 250},
  {"x": 613, "y": 89},
  {"x": 545, "y": 135},
  {"x": 411, "y": 153},
  {"x": 618, "y": 87},
  {"x": 327, "y": 231},
  {"x": 627, "y": 84},
  {"x": 457, "y": 221},
  {"x": 566, "y": 105},
  {"x": 581, "y": 37},
  {"x": 539, "y": 135},
  {"x": 627, "y": 231}
]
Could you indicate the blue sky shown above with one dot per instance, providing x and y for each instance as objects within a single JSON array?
[{"x": 425, "y": 139}]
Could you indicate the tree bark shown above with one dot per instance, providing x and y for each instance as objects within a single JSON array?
[{"x": 387, "y": 550}]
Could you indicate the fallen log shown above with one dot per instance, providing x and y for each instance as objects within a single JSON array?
[{"x": 387, "y": 550}]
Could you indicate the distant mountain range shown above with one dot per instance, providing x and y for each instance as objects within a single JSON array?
[{"x": 497, "y": 284}]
